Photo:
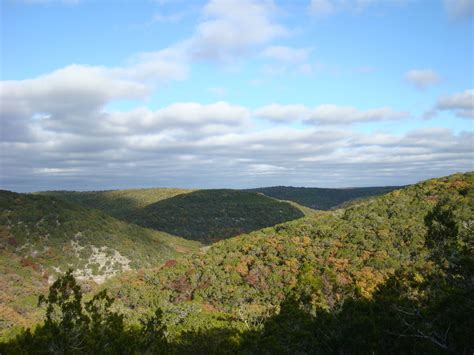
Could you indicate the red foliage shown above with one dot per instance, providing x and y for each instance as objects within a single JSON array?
[{"x": 170, "y": 263}]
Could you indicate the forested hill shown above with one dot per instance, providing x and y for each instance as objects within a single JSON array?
[
  {"x": 321, "y": 198},
  {"x": 203, "y": 215},
  {"x": 389, "y": 253},
  {"x": 42, "y": 237},
  {"x": 389, "y": 274}
]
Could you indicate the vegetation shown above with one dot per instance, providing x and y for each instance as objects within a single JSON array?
[
  {"x": 211, "y": 215},
  {"x": 41, "y": 237},
  {"x": 204, "y": 215},
  {"x": 117, "y": 203},
  {"x": 389, "y": 274},
  {"x": 322, "y": 199},
  {"x": 326, "y": 260}
]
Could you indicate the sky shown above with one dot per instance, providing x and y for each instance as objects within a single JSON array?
[{"x": 120, "y": 94}]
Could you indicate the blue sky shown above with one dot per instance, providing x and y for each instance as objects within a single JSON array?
[{"x": 227, "y": 93}]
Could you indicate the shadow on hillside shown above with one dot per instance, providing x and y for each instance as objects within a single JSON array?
[
  {"x": 212, "y": 215},
  {"x": 115, "y": 206},
  {"x": 391, "y": 322},
  {"x": 323, "y": 198}
]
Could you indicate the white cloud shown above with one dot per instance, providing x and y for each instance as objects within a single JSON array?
[
  {"x": 287, "y": 54},
  {"x": 233, "y": 27},
  {"x": 332, "y": 114},
  {"x": 219, "y": 144},
  {"x": 422, "y": 78},
  {"x": 217, "y": 90},
  {"x": 283, "y": 113},
  {"x": 68, "y": 2},
  {"x": 168, "y": 18},
  {"x": 327, "y": 114},
  {"x": 460, "y": 9},
  {"x": 165, "y": 65},
  {"x": 462, "y": 104},
  {"x": 322, "y": 7}
]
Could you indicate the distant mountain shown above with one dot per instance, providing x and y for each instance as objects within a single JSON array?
[
  {"x": 42, "y": 236},
  {"x": 321, "y": 198},
  {"x": 203, "y": 215}
]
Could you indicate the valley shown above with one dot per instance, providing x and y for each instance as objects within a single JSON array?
[{"x": 234, "y": 261}]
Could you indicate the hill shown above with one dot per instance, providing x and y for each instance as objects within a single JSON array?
[
  {"x": 203, "y": 215},
  {"x": 392, "y": 273},
  {"x": 323, "y": 260},
  {"x": 211, "y": 215},
  {"x": 117, "y": 203},
  {"x": 42, "y": 236},
  {"x": 320, "y": 198}
]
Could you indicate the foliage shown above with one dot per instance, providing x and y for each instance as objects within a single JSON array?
[
  {"x": 71, "y": 327},
  {"x": 320, "y": 198},
  {"x": 389, "y": 274},
  {"x": 204, "y": 215},
  {"x": 210, "y": 215},
  {"x": 41, "y": 236}
]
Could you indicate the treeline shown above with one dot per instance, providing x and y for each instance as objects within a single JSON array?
[{"x": 321, "y": 198}]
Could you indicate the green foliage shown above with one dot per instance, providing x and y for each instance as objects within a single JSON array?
[
  {"x": 204, "y": 215},
  {"x": 41, "y": 236},
  {"x": 322, "y": 199},
  {"x": 73, "y": 327},
  {"x": 211, "y": 215},
  {"x": 389, "y": 274},
  {"x": 117, "y": 203}
]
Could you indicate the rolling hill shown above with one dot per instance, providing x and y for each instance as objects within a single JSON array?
[
  {"x": 399, "y": 267},
  {"x": 204, "y": 215},
  {"x": 42, "y": 236},
  {"x": 320, "y": 198},
  {"x": 324, "y": 260}
]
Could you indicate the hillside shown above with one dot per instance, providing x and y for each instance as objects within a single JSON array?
[
  {"x": 41, "y": 237},
  {"x": 399, "y": 267},
  {"x": 320, "y": 198},
  {"x": 324, "y": 259},
  {"x": 211, "y": 215},
  {"x": 203, "y": 215},
  {"x": 117, "y": 203}
]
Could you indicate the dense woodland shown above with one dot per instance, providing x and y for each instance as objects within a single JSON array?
[
  {"x": 205, "y": 215},
  {"x": 320, "y": 198},
  {"x": 388, "y": 274}
]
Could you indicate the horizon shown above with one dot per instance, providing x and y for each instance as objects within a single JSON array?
[
  {"x": 237, "y": 189},
  {"x": 234, "y": 93}
]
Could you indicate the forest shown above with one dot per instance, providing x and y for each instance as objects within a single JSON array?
[{"x": 392, "y": 273}]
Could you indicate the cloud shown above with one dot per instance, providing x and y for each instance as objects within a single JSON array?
[
  {"x": 217, "y": 90},
  {"x": 422, "y": 78},
  {"x": 186, "y": 116},
  {"x": 286, "y": 54},
  {"x": 167, "y": 147},
  {"x": 283, "y": 113},
  {"x": 322, "y": 7},
  {"x": 168, "y": 64},
  {"x": 68, "y": 2},
  {"x": 169, "y": 18},
  {"x": 327, "y": 114},
  {"x": 461, "y": 104},
  {"x": 234, "y": 27},
  {"x": 59, "y": 131},
  {"x": 460, "y": 9}
]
